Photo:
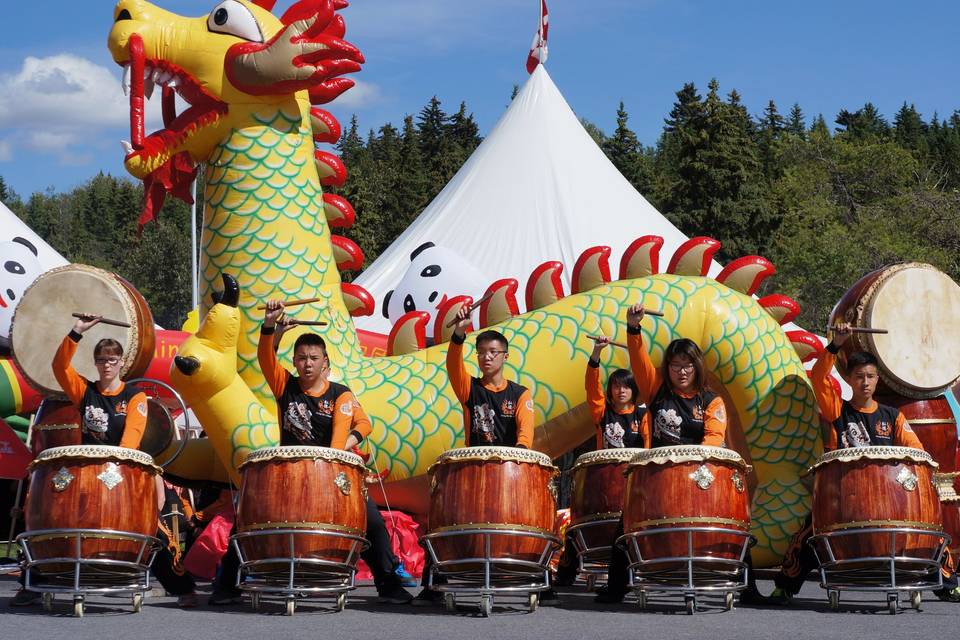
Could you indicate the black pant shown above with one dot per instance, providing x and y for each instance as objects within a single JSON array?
[
  {"x": 798, "y": 562},
  {"x": 378, "y": 556}
]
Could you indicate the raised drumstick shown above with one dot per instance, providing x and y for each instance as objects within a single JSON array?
[
  {"x": 91, "y": 316},
  {"x": 858, "y": 329},
  {"x": 616, "y": 344},
  {"x": 472, "y": 307},
  {"x": 293, "y": 303},
  {"x": 292, "y": 322},
  {"x": 651, "y": 312}
]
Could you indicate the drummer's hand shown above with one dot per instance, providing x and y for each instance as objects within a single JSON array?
[
  {"x": 635, "y": 316},
  {"x": 85, "y": 322},
  {"x": 272, "y": 313},
  {"x": 599, "y": 344},
  {"x": 351, "y": 443},
  {"x": 463, "y": 321},
  {"x": 841, "y": 333}
]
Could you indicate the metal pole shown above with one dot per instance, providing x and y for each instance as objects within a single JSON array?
[{"x": 194, "y": 276}]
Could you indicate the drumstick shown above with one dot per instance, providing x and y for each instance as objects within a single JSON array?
[
  {"x": 292, "y": 322},
  {"x": 616, "y": 344},
  {"x": 651, "y": 312},
  {"x": 90, "y": 316},
  {"x": 858, "y": 329},
  {"x": 293, "y": 303},
  {"x": 476, "y": 304}
]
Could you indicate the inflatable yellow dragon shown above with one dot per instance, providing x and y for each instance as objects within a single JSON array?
[{"x": 252, "y": 81}]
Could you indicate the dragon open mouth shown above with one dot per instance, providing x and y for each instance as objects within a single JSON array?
[{"x": 140, "y": 76}]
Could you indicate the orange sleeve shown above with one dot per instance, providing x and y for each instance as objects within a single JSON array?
[
  {"x": 457, "y": 372},
  {"x": 525, "y": 417},
  {"x": 596, "y": 400},
  {"x": 827, "y": 399},
  {"x": 135, "y": 423},
  {"x": 72, "y": 383},
  {"x": 646, "y": 433},
  {"x": 715, "y": 423},
  {"x": 830, "y": 435},
  {"x": 903, "y": 435},
  {"x": 647, "y": 376},
  {"x": 273, "y": 371},
  {"x": 348, "y": 416}
]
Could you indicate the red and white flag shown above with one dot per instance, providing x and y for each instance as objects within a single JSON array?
[{"x": 538, "y": 50}]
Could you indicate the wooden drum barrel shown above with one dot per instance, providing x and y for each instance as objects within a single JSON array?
[
  {"x": 503, "y": 488},
  {"x": 598, "y": 486},
  {"x": 57, "y": 425},
  {"x": 687, "y": 486},
  {"x": 876, "y": 487},
  {"x": 305, "y": 488},
  {"x": 91, "y": 487},
  {"x": 920, "y": 356},
  {"x": 42, "y": 317}
]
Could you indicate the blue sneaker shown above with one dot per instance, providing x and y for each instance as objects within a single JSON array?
[{"x": 406, "y": 579}]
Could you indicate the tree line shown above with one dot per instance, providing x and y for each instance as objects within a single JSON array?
[{"x": 826, "y": 203}]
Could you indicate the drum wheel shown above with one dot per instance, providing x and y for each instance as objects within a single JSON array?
[
  {"x": 591, "y": 581},
  {"x": 728, "y": 601},
  {"x": 533, "y": 600},
  {"x": 449, "y": 602},
  {"x": 77, "y": 606},
  {"x": 47, "y": 600},
  {"x": 893, "y": 600},
  {"x": 833, "y": 598},
  {"x": 291, "y": 605},
  {"x": 486, "y": 605},
  {"x": 691, "y": 604},
  {"x": 916, "y": 600},
  {"x": 255, "y": 600},
  {"x": 342, "y": 601},
  {"x": 137, "y": 601},
  {"x": 642, "y": 599}
]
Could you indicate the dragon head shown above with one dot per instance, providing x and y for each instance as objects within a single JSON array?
[{"x": 227, "y": 65}]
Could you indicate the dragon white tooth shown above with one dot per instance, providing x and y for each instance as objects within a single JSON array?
[
  {"x": 163, "y": 78},
  {"x": 147, "y": 88},
  {"x": 125, "y": 83},
  {"x": 157, "y": 74},
  {"x": 127, "y": 147},
  {"x": 174, "y": 82}
]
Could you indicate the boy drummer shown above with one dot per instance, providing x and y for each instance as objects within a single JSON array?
[{"x": 316, "y": 412}]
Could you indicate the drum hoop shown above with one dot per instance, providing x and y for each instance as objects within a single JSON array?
[
  {"x": 878, "y": 524},
  {"x": 688, "y": 453},
  {"x": 268, "y": 454},
  {"x": 306, "y": 526},
  {"x": 55, "y": 426},
  {"x": 96, "y": 452},
  {"x": 473, "y": 526},
  {"x": 614, "y": 455},
  {"x": 943, "y": 483},
  {"x": 853, "y": 454},
  {"x": 689, "y": 520},
  {"x": 488, "y": 454}
]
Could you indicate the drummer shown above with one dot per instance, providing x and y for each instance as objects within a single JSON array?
[
  {"x": 858, "y": 422},
  {"x": 111, "y": 414},
  {"x": 496, "y": 412},
  {"x": 681, "y": 410},
  {"x": 316, "y": 412}
]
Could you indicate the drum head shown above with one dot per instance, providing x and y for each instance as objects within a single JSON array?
[
  {"x": 159, "y": 430},
  {"x": 42, "y": 318},
  {"x": 920, "y": 307}
]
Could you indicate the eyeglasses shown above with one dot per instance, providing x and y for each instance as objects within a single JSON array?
[
  {"x": 682, "y": 368},
  {"x": 492, "y": 353},
  {"x": 107, "y": 361}
]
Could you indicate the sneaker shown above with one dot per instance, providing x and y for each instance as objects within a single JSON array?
[
  {"x": 427, "y": 598},
  {"x": 394, "y": 595},
  {"x": 549, "y": 598},
  {"x": 780, "y": 596},
  {"x": 606, "y": 595},
  {"x": 24, "y": 598},
  {"x": 223, "y": 597},
  {"x": 188, "y": 601},
  {"x": 948, "y": 595},
  {"x": 752, "y": 596},
  {"x": 406, "y": 579}
]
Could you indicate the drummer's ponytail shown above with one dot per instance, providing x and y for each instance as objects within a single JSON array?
[{"x": 685, "y": 347}]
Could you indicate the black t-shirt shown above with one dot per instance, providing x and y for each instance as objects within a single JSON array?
[
  {"x": 675, "y": 420},
  {"x": 493, "y": 420},
  {"x": 622, "y": 429},
  {"x": 305, "y": 419},
  {"x": 103, "y": 417},
  {"x": 858, "y": 429}
]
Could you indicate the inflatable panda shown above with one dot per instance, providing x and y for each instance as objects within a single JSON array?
[
  {"x": 435, "y": 274},
  {"x": 19, "y": 267}
]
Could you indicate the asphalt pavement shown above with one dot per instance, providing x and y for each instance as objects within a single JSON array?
[{"x": 808, "y": 616}]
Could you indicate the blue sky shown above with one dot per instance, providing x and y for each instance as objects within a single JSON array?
[{"x": 62, "y": 113}]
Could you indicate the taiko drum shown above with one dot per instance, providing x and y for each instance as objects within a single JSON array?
[
  {"x": 57, "y": 425},
  {"x": 301, "y": 488},
  {"x": 686, "y": 486},
  {"x": 596, "y": 502},
  {"x": 492, "y": 488}
]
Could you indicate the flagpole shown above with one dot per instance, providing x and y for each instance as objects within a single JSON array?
[{"x": 194, "y": 278}]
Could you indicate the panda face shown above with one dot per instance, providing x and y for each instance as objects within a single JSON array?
[
  {"x": 19, "y": 267},
  {"x": 435, "y": 275}
]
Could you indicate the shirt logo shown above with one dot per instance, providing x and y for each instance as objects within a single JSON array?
[
  {"x": 484, "y": 422},
  {"x": 883, "y": 429},
  {"x": 667, "y": 425},
  {"x": 508, "y": 409},
  {"x": 347, "y": 408},
  {"x": 613, "y": 435}
]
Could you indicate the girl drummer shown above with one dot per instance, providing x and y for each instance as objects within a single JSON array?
[
  {"x": 616, "y": 413},
  {"x": 682, "y": 410}
]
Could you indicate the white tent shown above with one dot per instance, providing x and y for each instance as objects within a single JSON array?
[{"x": 538, "y": 188}]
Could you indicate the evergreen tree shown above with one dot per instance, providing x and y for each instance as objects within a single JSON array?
[
  {"x": 909, "y": 129},
  {"x": 770, "y": 129},
  {"x": 626, "y": 153},
  {"x": 4, "y": 191},
  {"x": 863, "y": 125},
  {"x": 796, "y": 121}
]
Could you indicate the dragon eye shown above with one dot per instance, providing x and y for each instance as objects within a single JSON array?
[{"x": 232, "y": 18}]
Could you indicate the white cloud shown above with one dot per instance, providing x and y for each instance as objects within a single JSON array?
[
  {"x": 6, "y": 151},
  {"x": 60, "y": 92},
  {"x": 361, "y": 95}
]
